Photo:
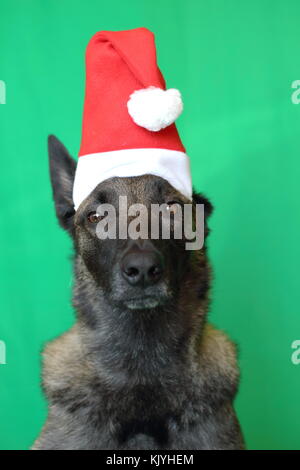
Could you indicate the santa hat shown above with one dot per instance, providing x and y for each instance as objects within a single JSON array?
[{"x": 128, "y": 120}]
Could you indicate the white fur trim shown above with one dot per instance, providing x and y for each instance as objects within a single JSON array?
[
  {"x": 92, "y": 169},
  {"x": 154, "y": 108}
]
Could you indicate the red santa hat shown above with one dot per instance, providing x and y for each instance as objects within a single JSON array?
[{"x": 128, "y": 120}]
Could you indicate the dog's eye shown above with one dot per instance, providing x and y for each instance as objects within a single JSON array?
[{"x": 94, "y": 218}]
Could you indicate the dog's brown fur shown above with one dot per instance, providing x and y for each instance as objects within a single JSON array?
[
  {"x": 147, "y": 379},
  {"x": 66, "y": 363}
]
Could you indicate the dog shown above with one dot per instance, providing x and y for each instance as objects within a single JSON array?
[{"x": 141, "y": 368}]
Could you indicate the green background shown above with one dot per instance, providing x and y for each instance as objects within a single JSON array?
[{"x": 234, "y": 62}]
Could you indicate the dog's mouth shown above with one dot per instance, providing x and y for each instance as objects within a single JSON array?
[
  {"x": 143, "y": 303},
  {"x": 139, "y": 298}
]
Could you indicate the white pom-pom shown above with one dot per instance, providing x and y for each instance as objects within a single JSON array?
[{"x": 154, "y": 108}]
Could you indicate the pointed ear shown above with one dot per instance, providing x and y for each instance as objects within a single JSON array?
[
  {"x": 208, "y": 208},
  {"x": 200, "y": 199},
  {"x": 62, "y": 173}
]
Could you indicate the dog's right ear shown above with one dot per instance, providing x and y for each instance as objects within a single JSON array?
[{"x": 62, "y": 173}]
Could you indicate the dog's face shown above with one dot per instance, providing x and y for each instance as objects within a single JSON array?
[{"x": 136, "y": 274}]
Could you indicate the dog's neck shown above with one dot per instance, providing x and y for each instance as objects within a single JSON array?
[{"x": 140, "y": 344}]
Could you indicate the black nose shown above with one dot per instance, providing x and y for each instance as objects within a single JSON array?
[{"x": 142, "y": 267}]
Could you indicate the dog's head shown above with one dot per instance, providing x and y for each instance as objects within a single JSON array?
[{"x": 142, "y": 273}]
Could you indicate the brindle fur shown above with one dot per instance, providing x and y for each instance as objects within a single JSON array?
[{"x": 159, "y": 378}]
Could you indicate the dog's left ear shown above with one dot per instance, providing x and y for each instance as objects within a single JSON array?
[
  {"x": 200, "y": 199},
  {"x": 62, "y": 173}
]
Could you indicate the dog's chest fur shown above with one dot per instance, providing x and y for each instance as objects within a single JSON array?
[{"x": 178, "y": 409}]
